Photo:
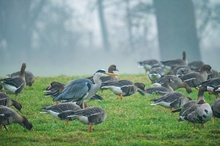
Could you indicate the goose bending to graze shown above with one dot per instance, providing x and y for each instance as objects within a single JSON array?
[
  {"x": 216, "y": 109},
  {"x": 197, "y": 111},
  {"x": 82, "y": 89},
  {"x": 173, "y": 100},
  {"x": 14, "y": 85},
  {"x": 29, "y": 77},
  {"x": 91, "y": 116},
  {"x": 175, "y": 84},
  {"x": 195, "y": 78},
  {"x": 9, "y": 116},
  {"x": 211, "y": 85},
  {"x": 162, "y": 90},
  {"x": 176, "y": 62},
  {"x": 59, "y": 108},
  {"x": 121, "y": 87},
  {"x": 7, "y": 101}
]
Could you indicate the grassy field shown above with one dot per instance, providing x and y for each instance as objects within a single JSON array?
[{"x": 132, "y": 121}]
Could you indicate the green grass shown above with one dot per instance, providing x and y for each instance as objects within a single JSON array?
[{"x": 132, "y": 121}]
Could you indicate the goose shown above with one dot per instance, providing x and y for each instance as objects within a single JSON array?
[
  {"x": 211, "y": 85},
  {"x": 29, "y": 77},
  {"x": 173, "y": 100},
  {"x": 7, "y": 101},
  {"x": 179, "y": 70},
  {"x": 148, "y": 64},
  {"x": 82, "y": 89},
  {"x": 156, "y": 73},
  {"x": 195, "y": 78},
  {"x": 176, "y": 62},
  {"x": 216, "y": 109},
  {"x": 197, "y": 111},
  {"x": 15, "y": 85},
  {"x": 9, "y": 116},
  {"x": 175, "y": 84},
  {"x": 91, "y": 116},
  {"x": 161, "y": 90},
  {"x": 195, "y": 65},
  {"x": 59, "y": 108},
  {"x": 121, "y": 88}
]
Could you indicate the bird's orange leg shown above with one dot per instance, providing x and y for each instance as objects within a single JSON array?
[
  {"x": 89, "y": 128},
  {"x": 120, "y": 98}
]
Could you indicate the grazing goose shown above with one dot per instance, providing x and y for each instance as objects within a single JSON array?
[
  {"x": 216, "y": 109},
  {"x": 14, "y": 85},
  {"x": 148, "y": 64},
  {"x": 197, "y": 111},
  {"x": 173, "y": 100},
  {"x": 211, "y": 85},
  {"x": 156, "y": 73},
  {"x": 82, "y": 89},
  {"x": 9, "y": 116},
  {"x": 176, "y": 62},
  {"x": 121, "y": 88},
  {"x": 7, "y": 101},
  {"x": 91, "y": 116},
  {"x": 161, "y": 90},
  {"x": 59, "y": 108},
  {"x": 29, "y": 77},
  {"x": 195, "y": 65},
  {"x": 195, "y": 78},
  {"x": 179, "y": 70},
  {"x": 175, "y": 84}
]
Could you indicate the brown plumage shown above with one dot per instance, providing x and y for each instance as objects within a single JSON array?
[
  {"x": 9, "y": 116},
  {"x": 7, "y": 101}
]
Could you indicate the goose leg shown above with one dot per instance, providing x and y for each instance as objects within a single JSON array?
[
  {"x": 89, "y": 128},
  {"x": 194, "y": 126},
  {"x": 0, "y": 127},
  {"x": 203, "y": 125},
  {"x": 66, "y": 122},
  {"x": 213, "y": 121},
  {"x": 171, "y": 109},
  {"x": 120, "y": 98}
]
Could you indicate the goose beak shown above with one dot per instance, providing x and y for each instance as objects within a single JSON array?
[{"x": 111, "y": 74}]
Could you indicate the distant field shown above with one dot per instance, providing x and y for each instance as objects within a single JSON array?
[{"x": 132, "y": 121}]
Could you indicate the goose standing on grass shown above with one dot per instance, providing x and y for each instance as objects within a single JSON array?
[
  {"x": 121, "y": 87},
  {"x": 91, "y": 116},
  {"x": 173, "y": 100},
  {"x": 197, "y": 111},
  {"x": 7, "y": 101},
  {"x": 82, "y": 89},
  {"x": 9, "y": 116},
  {"x": 216, "y": 109},
  {"x": 29, "y": 77},
  {"x": 195, "y": 78},
  {"x": 14, "y": 85},
  {"x": 59, "y": 108}
]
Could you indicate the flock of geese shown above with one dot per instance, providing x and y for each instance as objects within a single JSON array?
[{"x": 71, "y": 99}]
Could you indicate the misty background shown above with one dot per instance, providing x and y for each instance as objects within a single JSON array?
[{"x": 74, "y": 37}]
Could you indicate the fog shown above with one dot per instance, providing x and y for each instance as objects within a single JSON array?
[{"x": 75, "y": 37}]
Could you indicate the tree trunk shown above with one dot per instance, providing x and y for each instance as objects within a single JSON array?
[
  {"x": 103, "y": 25},
  {"x": 177, "y": 29}
]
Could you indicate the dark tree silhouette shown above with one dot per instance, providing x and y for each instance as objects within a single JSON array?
[{"x": 177, "y": 29}]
